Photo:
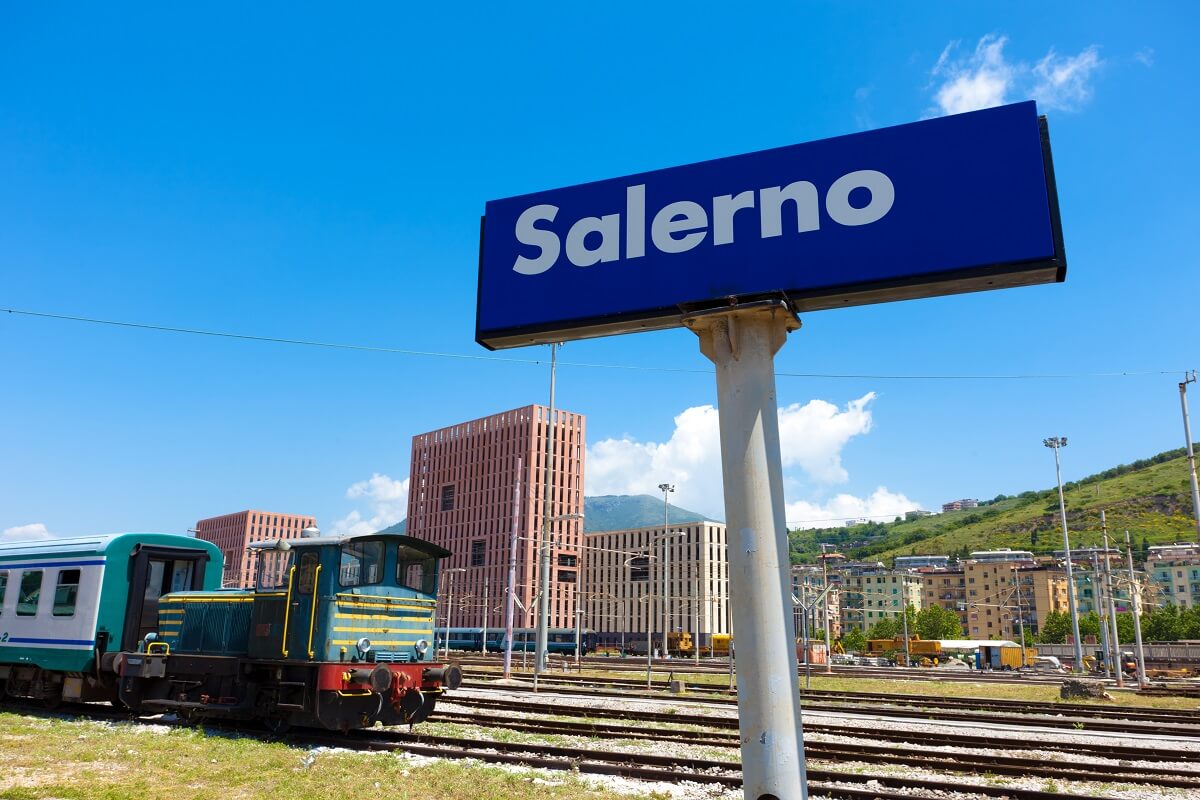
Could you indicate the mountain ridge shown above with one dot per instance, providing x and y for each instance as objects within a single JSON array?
[{"x": 614, "y": 512}]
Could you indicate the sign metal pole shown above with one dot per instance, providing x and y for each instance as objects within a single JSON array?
[{"x": 742, "y": 343}]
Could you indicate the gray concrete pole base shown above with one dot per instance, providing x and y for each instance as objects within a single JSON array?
[{"x": 742, "y": 343}]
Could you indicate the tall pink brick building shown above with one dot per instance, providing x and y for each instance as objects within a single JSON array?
[
  {"x": 234, "y": 532},
  {"x": 461, "y": 496}
]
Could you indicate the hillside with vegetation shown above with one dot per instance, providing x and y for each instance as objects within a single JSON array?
[{"x": 1150, "y": 497}]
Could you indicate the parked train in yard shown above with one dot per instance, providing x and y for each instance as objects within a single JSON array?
[
  {"x": 558, "y": 640},
  {"x": 336, "y": 634}
]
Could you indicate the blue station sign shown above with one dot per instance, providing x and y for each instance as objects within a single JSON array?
[{"x": 955, "y": 204}]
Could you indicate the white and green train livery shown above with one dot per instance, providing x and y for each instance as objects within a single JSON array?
[{"x": 69, "y": 606}]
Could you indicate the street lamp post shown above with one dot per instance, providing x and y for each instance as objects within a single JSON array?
[
  {"x": 666, "y": 489},
  {"x": 1056, "y": 443},
  {"x": 539, "y": 661}
]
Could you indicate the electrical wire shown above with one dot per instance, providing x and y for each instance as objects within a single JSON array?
[{"x": 579, "y": 364}]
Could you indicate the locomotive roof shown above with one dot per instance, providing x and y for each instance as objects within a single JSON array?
[
  {"x": 317, "y": 541},
  {"x": 92, "y": 544}
]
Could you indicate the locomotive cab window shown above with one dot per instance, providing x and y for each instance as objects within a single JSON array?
[
  {"x": 416, "y": 570},
  {"x": 274, "y": 570},
  {"x": 66, "y": 592},
  {"x": 3, "y": 589},
  {"x": 362, "y": 563},
  {"x": 31, "y": 593},
  {"x": 308, "y": 572}
]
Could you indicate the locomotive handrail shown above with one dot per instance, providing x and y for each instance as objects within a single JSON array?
[
  {"x": 390, "y": 600},
  {"x": 312, "y": 619},
  {"x": 287, "y": 608}
]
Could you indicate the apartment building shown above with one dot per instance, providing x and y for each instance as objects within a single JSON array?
[
  {"x": 870, "y": 594},
  {"x": 1175, "y": 572}
]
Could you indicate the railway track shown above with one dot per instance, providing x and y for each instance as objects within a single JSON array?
[
  {"x": 1144, "y": 713},
  {"x": 676, "y": 769},
  {"x": 1046, "y": 715},
  {"x": 836, "y": 751},
  {"x": 916, "y": 738},
  {"x": 684, "y": 665},
  {"x": 558, "y": 708},
  {"x": 724, "y": 773}
]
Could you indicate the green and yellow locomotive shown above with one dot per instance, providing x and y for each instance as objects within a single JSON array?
[{"x": 336, "y": 634}]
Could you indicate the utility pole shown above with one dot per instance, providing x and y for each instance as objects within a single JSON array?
[
  {"x": 1135, "y": 596},
  {"x": 1055, "y": 443},
  {"x": 512, "y": 575},
  {"x": 907, "y": 647},
  {"x": 1187, "y": 434},
  {"x": 485, "y": 613},
  {"x": 539, "y": 661},
  {"x": 666, "y": 489},
  {"x": 1114, "y": 634},
  {"x": 1020, "y": 610},
  {"x": 1098, "y": 602},
  {"x": 696, "y": 613},
  {"x": 825, "y": 588}
]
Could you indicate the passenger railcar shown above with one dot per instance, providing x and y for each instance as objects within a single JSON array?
[
  {"x": 336, "y": 634},
  {"x": 558, "y": 640},
  {"x": 69, "y": 606}
]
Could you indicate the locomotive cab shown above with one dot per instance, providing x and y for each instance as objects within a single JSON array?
[{"x": 336, "y": 633}]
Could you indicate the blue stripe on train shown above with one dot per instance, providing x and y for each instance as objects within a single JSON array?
[
  {"x": 32, "y": 640},
  {"x": 21, "y": 565}
]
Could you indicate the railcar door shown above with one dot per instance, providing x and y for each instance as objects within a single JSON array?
[{"x": 153, "y": 572}]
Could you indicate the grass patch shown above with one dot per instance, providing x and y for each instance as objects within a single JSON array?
[{"x": 83, "y": 760}]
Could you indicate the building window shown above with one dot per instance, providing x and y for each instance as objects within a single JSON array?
[
  {"x": 639, "y": 568},
  {"x": 448, "y": 497},
  {"x": 565, "y": 560},
  {"x": 566, "y": 576},
  {"x": 66, "y": 592},
  {"x": 478, "y": 553},
  {"x": 31, "y": 592}
]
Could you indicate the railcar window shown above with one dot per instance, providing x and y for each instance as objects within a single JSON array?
[
  {"x": 31, "y": 592},
  {"x": 65, "y": 593},
  {"x": 308, "y": 571},
  {"x": 416, "y": 570},
  {"x": 362, "y": 563},
  {"x": 3, "y": 589}
]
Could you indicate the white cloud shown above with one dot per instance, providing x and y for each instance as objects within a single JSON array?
[
  {"x": 1064, "y": 82},
  {"x": 387, "y": 503},
  {"x": 812, "y": 437},
  {"x": 985, "y": 78},
  {"x": 1145, "y": 57},
  {"x": 36, "y": 530},
  {"x": 881, "y": 506},
  {"x": 981, "y": 80}
]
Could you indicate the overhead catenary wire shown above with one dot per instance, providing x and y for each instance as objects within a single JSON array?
[{"x": 577, "y": 364}]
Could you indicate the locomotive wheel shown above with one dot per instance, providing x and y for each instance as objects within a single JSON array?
[{"x": 278, "y": 726}]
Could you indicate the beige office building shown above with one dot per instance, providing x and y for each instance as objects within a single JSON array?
[{"x": 622, "y": 583}]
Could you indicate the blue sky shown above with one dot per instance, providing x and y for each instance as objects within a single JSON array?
[{"x": 299, "y": 173}]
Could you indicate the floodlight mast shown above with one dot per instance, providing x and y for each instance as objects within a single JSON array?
[
  {"x": 543, "y": 621},
  {"x": 1056, "y": 443},
  {"x": 742, "y": 341}
]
